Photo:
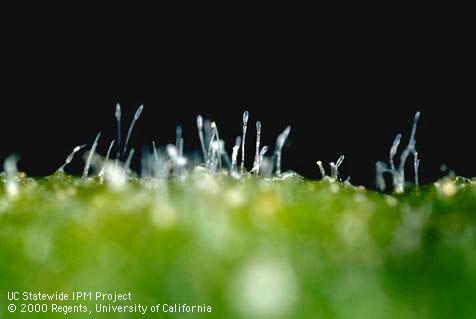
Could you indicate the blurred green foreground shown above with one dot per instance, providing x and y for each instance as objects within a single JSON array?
[{"x": 248, "y": 249}]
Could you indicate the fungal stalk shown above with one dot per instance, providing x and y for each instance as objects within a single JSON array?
[
  {"x": 118, "y": 116},
  {"x": 380, "y": 168},
  {"x": 159, "y": 169},
  {"x": 115, "y": 176},
  {"x": 334, "y": 169},
  {"x": 234, "y": 156},
  {"x": 280, "y": 141},
  {"x": 156, "y": 155},
  {"x": 416, "y": 166},
  {"x": 131, "y": 127},
  {"x": 90, "y": 156},
  {"x": 179, "y": 139},
  {"x": 258, "y": 140},
  {"x": 218, "y": 144},
  {"x": 11, "y": 183},
  {"x": 108, "y": 154},
  {"x": 321, "y": 169},
  {"x": 178, "y": 161},
  {"x": 214, "y": 150},
  {"x": 260, "y": 159},
  {"x": 224, "y": 154},
  {"x": 146, "y": 163},
  {"x": 127, "y": 165},
  {"x": 200, "y": 136},
  {"x": 245, "y": 125},
  {"x": 215, "y": 156},
  {"x": 70, "y": 157},
  {"x": 398, "y": 173},
  {"x": 207, "y": 131}
]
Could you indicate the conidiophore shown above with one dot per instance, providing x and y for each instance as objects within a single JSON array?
[
  {"x": 334, "y": 169},
  {"x": 212, "y": 147},
  {"x": 234, "y": 157},
  {"x": 127, "y": 164},
  {"x": 246, "y": 116},
  {"x": 257, "y": 151},
  {"x": 279, "y": 147},
  {"x": 224, "y": 153},
  {"x": 90, "y": 156},
  {"x": 260, "y": 159},
  {"x": 398, "y": 173},
  {"x": 178, "y": 161},
  {"x": 214, "y": 153},
  {"x": 108, "y": 154},
  {"x": 118, "y": 116},
  {"x": 179, "y": 140},
  {"x": 200, "y": 136},
  {"x": 11, "y": 183},
  {"x": 131, "y": 127},
  {"x": 70, "y": 157}
]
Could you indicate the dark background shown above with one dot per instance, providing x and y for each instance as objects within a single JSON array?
[{"x": 347, "y": 91}]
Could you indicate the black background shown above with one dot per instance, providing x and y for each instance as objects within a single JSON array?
[{"x": 344, "y": 91}]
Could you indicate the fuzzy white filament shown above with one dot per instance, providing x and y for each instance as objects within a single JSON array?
[
  {"x": 218, "y": 145},
  {"x": 90, "y": 156},
  {"x": 260, "y": 160},
  {"x": 245, "y": 125},
  {"x": 160, "y": 167},
  {"x": 334, "y": 172},
  {"x": 200, "y": 136},
  {"x": 207, "y": 131},
  {"x": 321, "y": 169},
  {"x": 131, "y": 127},
  {"x": 416, "y": 165},
  {"x": 172, "y": 152},
  {"x": 181, "y": 147},
  {"x": 380, "y": 168},
  {"x": 115, "y": 176},
  {"x": 398, "y": 174},
  {"x": 70, "y": 157},
  {"x": 156, "y": 155},
  {"x": 224, "y": 154},
  {"x": 178, "y": 162},
  {"x": 118, "y": 131},
  {"x": 11, "y": 183},
  {"x": 211, "y": 141},
  {"x": 179, "y": 140},
  {"x": 258, "y": 141},
  {"x": 279, "y": 147},
  {"x": 335, "y": 168},
  {"x": 214, "y": 155},
  {"x": 394, "y": 149},
  {"x": 339, "y": 161},
  {"x": 108, "y": 154},
  {"x": 234, "y": 155},
  {"x": 410, "y": 149},
  {"x": 127, "y": 165}
]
